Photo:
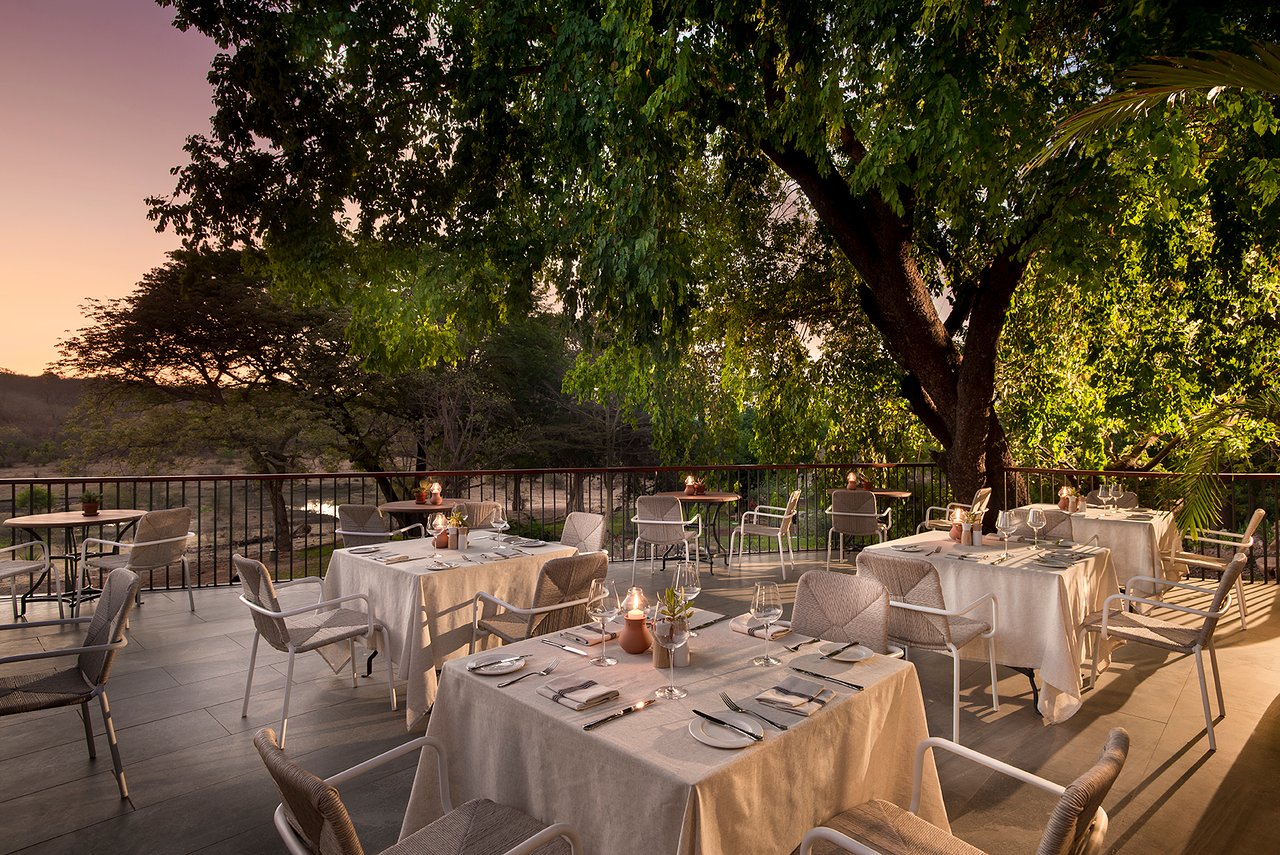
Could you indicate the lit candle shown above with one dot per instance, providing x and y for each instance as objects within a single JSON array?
[
  {"x": 635, "y": 614},
  {"x": 435, "y": 486},
  {"x": 689, "y": 481}
]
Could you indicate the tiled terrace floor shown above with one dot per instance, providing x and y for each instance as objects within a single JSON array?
[{"x": 197, "y": 784}]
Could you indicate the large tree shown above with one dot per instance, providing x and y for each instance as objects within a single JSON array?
[{"x": 430, "y": 163}]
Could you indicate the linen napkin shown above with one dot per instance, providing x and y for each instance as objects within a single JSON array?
[
  {"x": 797, "y": 695},
  {"x": 577, "y": 693},
  {"x": 395, "y": 559},
  {"x": 750, "y": 626},
  {"x": 588, "y": 635}
]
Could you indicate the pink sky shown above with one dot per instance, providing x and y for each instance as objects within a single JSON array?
[{"x": 97, "y": 99}]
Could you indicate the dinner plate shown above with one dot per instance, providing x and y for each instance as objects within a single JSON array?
[
  {"x": 854, "y": 654},
  {"x": 363, "y": 550},
  {"x": 722, "y": 737},
  {"x": 496, "y": 670},
  {"x": 911, "y": 547},
  {"x": 1139, "y": 517},
  {"x": 529, "y": 542}
]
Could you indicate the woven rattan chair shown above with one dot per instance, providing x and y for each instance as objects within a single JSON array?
[
  {"x": 919, "y": 617},
  {"x": 559, "y": 601},
  {"x": 842, "y": 608},
  {"x": 1240, "y": 544},
  {"x": 768, "y": 521},
  {"x": 159, "y": 541},
  {"x": 853, "y": 512},
  {"x": 364, "y": 525},
  {"x": 87, "y": 678},
  {"x": 312, "y": 820},
  {"x": 584, "y": 532},
  {"x": 660, "y": 521},
  {"x": 15, "y": 567},
  {"x": 1077, "y": 825},
  {"x": 298, "y": 630},
  {"x": 1180, "y": 636},
  {"x": 939, "y": 518}
]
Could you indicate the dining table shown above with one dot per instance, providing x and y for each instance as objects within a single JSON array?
[
  {"x": 663, "y": 780},
  {"x": 1140, "y": 540},
  {"x": 423, "y": 596},
  {"x": 1043, "y": 594},
  {"x": 71, "y": 523}
]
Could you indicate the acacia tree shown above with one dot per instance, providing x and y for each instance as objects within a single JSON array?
[{"x": 381, "y": 152}]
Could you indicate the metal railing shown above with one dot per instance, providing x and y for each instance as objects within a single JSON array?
[{"x": 289, "y": 521}]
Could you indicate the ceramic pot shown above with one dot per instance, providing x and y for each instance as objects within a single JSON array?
[
  {"x": 955, "y": 532},
  {"x": 690, "y": 490},
  {"x": 442, "y": 540},
  {"x": 635, "y": 637},
  {"x": 89, "y": 509},
  {"x": 437, "y": 499}
]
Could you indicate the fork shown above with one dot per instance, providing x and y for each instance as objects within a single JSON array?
[
  {"x": 793, "y": 648},
  {"x": 729, "y": 702},
  {"x": 551, "y": 666}
]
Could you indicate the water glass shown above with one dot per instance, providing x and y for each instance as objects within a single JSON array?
[
  {"x": 671, "y": 633},
  {"x": 1035, "y": 519},
  {"x": 1006, "y": 525},
  {"x": 766, "y": 606},
  {"x": 603, "y": 605}
]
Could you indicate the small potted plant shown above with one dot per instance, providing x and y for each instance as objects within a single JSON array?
[
  {"x": 90, "y": 502},
  {"x": 458, "y": 529},
  {"x": 673, "y": 612},
  {"x": 420, "y": 493}
]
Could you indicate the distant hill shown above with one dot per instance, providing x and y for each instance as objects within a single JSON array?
[{"x": 33, "y": 411}]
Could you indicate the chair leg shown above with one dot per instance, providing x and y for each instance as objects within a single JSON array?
[
  {"x": 955, "y": 696},
  {"x": 1217, "y": 678},
  {"x": 1204, "y": 699},
  {"x": 995, "y": 682},
  {"x": 88, "y": 729},
  {"x": 635, "y": 553},
  {"x": 115, "y": 749},
  {"x": 841, "y": 547},
  {"x": 1093, "y": 671},
  {"x": 248, "y": 684},
  {"x": 782, "y": 557},
  {"x": 351, "y": 647},
  {"x": 829, "y": 533},
  {"x": 1244, "y": 610},
  {"x": 288, "y": 685},
  {"x": 186, "y": 583}
]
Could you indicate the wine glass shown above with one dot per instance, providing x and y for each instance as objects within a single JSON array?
[
  {"x": 1006, "y": 525},
  {"x": 671, "y": 633},
  {"x": 499, "y": 523},
  {"x": 687, "y": 585},
  {"x": 1117, "y": 493},
  {"x": 437, "y": 524},
  {"x": 1035, "y": 519},
  {"x": 602, "y": 605},
  {"x": 766, "y": 606}
]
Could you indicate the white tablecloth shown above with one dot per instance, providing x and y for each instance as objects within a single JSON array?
[
  {"x": 1040, "y": 610},
  {"x": 1138, "y": 547},
  {"x": 428, "y": 612},
  {"x": 644, "y": 785}
]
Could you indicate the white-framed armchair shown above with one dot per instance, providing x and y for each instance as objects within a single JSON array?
[
  {"x": 364, "y": 525},
  {"x": 160, "y": 540},
  {"x": 559, "y": 601},
  {"x": 853, "y": 512},
  {"x": 12, "y": 567},
  {"x": 768, "y": 521},
  {"x": 660, "y": 521},
  {"x": 940, "y": 519},
  {"x": 1238, "y": 543}
]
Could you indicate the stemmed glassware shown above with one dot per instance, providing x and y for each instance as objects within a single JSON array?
[
  {"x": 766, "y": 606},
  {"x": 1035, "y": 519},
  {"x": 499, "y": 522},
  {"x": 671, "y": 632},
  {"x": 1117, "y": 493},
  {"x": 687, "y": 585},
  {"x": 1006, "y": 524},
  {"x": 603, "y": 605}
]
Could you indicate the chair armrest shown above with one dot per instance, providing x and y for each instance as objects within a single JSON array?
[
  {"x": 1128, "y": 586},
  {"x": 830, "y": 835},
  {"x": 1126, "y": 598},
  {"x": 1014, "y": 772},
  {"x": 66, "y": 651},
  {"x": 30, "y": 544},
  {"x": 314, "y": 607},
  {"x": 442, "y": 765},
  {"x": 545, "y": 836},
  {"x": 781, "y": 509},
  {"x": 422, "y": 529},
  {"x": 35, "y": 623}
]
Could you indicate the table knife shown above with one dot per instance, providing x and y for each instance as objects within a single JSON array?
[
  {"x": 825, "y": 677},
  {"x": 569, "y": 647},
  {"x": 757, "y": 737},
  {"x": 708, "y": 623},
  {"x": 838, "y": 650},
  {"x": 638, "y": 705},
  {"x": 490, "y": 663}
]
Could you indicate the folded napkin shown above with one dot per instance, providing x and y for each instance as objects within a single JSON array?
[
  {"x": 395, "y": 559},
  {"x": 577, "y": 693},
  {"x": 797, "y": 695},
  {"x": 588, "y": 635},
  {"x": 750, "y": 626}
]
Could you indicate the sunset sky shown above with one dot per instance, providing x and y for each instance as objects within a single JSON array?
[{"x": 97, "y": 99}]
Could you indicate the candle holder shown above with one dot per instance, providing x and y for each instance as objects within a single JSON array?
[
  {"x": 436, "y": 497},
  {"x": 635, "y": 636}
]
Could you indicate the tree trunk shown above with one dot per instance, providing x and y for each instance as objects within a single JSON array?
[{"x": 283, "y": 537}]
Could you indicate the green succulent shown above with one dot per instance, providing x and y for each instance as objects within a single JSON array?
[
  {"x": 672, "y": 605},
  {"x": 90, "y": 498}
]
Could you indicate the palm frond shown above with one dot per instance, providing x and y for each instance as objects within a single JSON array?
[{"x": 1165, "y": 80}]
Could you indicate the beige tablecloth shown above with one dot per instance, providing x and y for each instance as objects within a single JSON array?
[
  {"x": 428, "y": 612},
  {"x": 1040, "y": 609},
  {"x": 644, "y": 785}
]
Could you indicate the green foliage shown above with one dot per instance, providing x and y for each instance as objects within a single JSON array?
[
  {"x": 33, "y": 500},
  {"x": 672, "y": 605},
  {"x": 89, "y": 497}
]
